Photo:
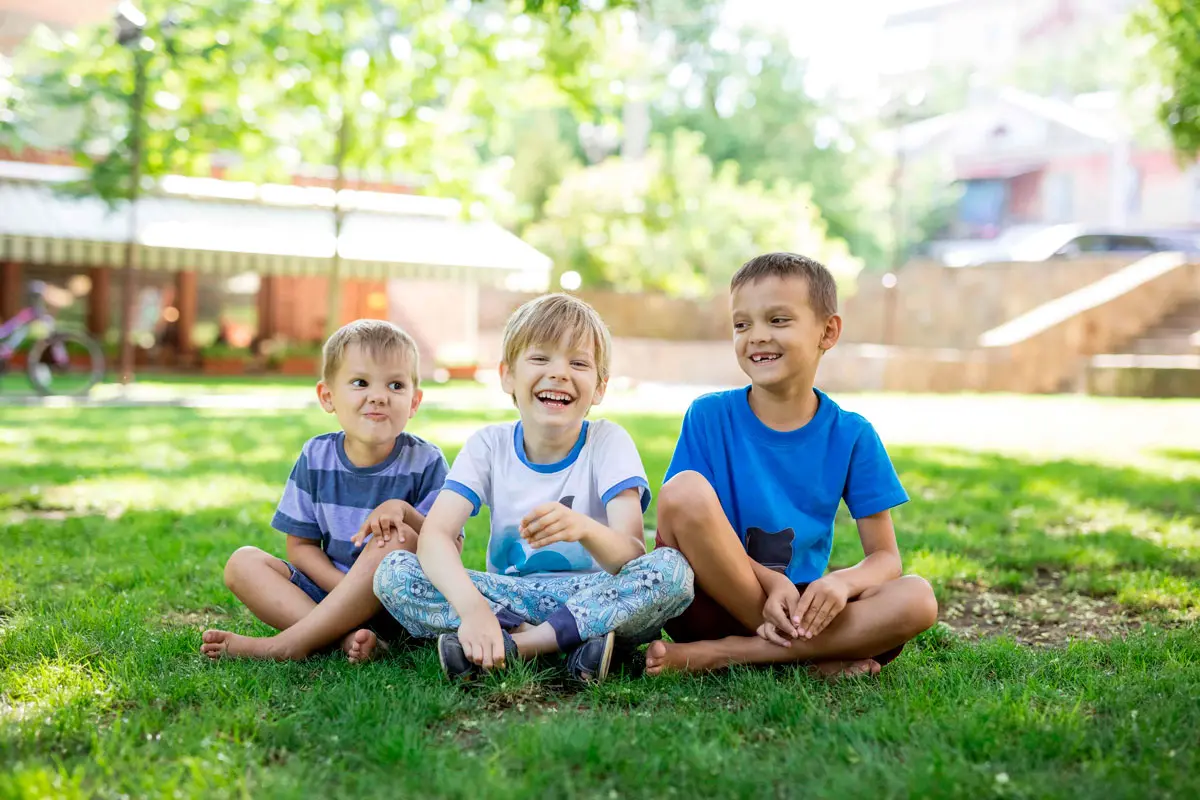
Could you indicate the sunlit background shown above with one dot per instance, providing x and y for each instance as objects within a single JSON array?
[{"x": 961, "y": 166}]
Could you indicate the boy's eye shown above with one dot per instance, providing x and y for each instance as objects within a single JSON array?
[
  {"x": 538, "y": 359},
  {"x": 740, "y": 326},
  {"x": 780, "y": 320},
  {"x": 396, "y": 386},
  {"x": 359, "y": 383},
  {"x": 580, "y": 364}
]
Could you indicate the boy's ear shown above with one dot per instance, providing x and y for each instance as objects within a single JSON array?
[
  {"x": 325, "y": 396},
  {"x": 418, "y": 396},
  {"x": 506, "y": 378},
  {"x": 601, "y": 388},
  {"x": 832, "y": 332}
]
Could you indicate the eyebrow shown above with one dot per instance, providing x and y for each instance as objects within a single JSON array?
[
  {"x": 775, "y": 309},
  {"x": 395, "y": 376}
]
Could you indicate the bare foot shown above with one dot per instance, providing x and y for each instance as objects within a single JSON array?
[
  {"x": 360, "y": 645},
  {"x": 222, "y": 644},
  {"x": 836, "y": 670},
  {"x": 692, "y": 657}
]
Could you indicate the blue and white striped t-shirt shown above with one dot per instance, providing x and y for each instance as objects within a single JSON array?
[{"x": 328, "y": 498}]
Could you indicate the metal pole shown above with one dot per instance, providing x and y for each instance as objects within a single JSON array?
[{"x": 128, "y": 284}]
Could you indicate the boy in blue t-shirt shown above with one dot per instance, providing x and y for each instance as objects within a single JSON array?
[
  {"x": 752, "y": 491},
  {"x": 370, "y": 477}
]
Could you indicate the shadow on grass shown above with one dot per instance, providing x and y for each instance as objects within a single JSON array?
[
  {"x": 1180, "y": 455},
  {"x": 973, "y": 514}
]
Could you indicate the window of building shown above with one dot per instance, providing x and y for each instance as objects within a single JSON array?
[
  {"x": 1059, "y": 197},
  {"x": 1133, "y": 192}
]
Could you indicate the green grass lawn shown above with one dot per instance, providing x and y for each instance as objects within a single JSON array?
[{"x": 1068, "y": 662}]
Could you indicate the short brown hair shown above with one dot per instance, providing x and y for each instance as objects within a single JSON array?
[
  {"x": 822, "y": 288},
  {"x": 547, "y": 319},
  {"x": 377, "y": 337}
]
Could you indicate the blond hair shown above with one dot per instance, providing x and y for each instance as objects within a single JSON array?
[
  {"x": 551, "y": 318},
  {"x": 375, "y": 336}
]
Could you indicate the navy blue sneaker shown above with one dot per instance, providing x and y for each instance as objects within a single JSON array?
[
  {"x": 589, "y": 662},
  {"x": 455, "y": 663}
]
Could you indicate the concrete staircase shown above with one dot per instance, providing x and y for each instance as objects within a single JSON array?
[
  {"x": 1175, "y": 335},
  {"x": 1164, "y": 361}
]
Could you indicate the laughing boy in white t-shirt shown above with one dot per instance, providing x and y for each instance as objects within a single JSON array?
[{"x": 567, "y": 568}]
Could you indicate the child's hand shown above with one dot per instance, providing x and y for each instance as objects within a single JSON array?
[
  {"x": 769, "y": 632},
  {"x": 481, "y": 639},
  {"x": 823, "y": 600},
  {"x": 385, "y": 520},
  {"x": 553, "y": 522},
  {"x": 781, "y": 615}
]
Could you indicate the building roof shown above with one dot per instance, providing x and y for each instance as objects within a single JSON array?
[
  {"x": 1089, "y": 124},
  {"x": 229, "y": 227}
]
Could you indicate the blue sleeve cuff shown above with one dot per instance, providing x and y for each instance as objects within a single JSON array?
[
  {"x": 466, "y": 492},
  {"x": 877, "y": 504},
  {"x": 293, "y": 527},
  {"x": 629, "y": 483}
]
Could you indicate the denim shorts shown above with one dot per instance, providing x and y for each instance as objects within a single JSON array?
[{"x": 383, "y": 624}]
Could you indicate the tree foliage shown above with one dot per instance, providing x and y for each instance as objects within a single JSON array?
[
  {"x": 72, "y": 92},
  {"x": 748, "y": 95},
  {"x": 1173, "y": 27},
  {"x": 673, "y": 222},
  {"x": 383, "y": 87}
]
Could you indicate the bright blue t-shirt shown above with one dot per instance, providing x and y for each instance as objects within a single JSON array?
[{"x": 780, "y": 490}]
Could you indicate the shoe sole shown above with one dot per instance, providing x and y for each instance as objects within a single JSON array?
[
  {"x": 610, "y": 642},
  {"x": 442, "y": 658}
]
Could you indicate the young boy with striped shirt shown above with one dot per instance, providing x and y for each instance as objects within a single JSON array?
[{"x": 370, "y": 382}]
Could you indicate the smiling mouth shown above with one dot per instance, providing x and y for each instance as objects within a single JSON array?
[
  {"x": 555, "y": 399},
  {"x": 765, "y": 358}
]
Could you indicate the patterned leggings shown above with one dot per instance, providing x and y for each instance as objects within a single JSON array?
[{"x": 635, "y": 602}]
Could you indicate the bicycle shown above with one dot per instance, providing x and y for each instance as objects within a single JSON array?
[{"x": 58, "y": 361}]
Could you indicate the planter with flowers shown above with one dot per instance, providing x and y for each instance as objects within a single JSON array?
[
  {"x": 299, "y": 359},
  {"x": 220, "y": 359}
]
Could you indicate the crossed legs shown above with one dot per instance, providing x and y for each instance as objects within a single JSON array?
[
  {"x": 692, "y": 521},
  {"x": 263, "y": 583}
]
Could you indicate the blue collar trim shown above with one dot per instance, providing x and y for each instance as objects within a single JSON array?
[{"x": 519, "y": 447}]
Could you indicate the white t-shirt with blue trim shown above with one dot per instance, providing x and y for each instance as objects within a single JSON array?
[{"x": 492, "y": 470}]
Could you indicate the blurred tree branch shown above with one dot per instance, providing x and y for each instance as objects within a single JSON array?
[{"x": 1173, "y": 27}]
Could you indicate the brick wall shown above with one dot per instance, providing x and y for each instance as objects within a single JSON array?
[
  {"x": 932, "y": 305},
  {"x": 936, "y": 306},
  {"x": 298, "y": 305}
]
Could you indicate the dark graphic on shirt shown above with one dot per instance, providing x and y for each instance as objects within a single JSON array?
[{"x": 772, "y": 550}]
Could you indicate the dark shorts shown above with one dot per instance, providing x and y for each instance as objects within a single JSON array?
[
  {"x": 707, "y": 619},
  {"x": 383, "y": 624}
]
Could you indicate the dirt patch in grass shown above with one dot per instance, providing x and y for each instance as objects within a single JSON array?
[
  {"x": 20, "y": 513},
  {"x": 1047, "y": 616},
  {"x": 193, "y": 618}
]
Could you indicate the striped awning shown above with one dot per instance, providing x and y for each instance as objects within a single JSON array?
[{"x": 228, "y": 235}]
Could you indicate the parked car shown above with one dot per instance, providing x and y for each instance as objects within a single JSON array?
[{"x": 1042, "y": 243}]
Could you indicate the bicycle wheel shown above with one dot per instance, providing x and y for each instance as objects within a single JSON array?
[{"x": 65, "y": 363}]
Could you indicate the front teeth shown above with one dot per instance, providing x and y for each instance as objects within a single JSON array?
[
  {"x": 761, "y": 358},
  {"x": 559, "y": 396}
]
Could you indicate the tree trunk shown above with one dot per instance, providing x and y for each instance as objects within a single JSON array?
[
  {"x": 128, "y": 284},
  {"x": 333, "y": 319}
]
